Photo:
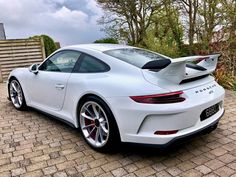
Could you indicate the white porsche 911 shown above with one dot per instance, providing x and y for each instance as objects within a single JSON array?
[{"x": 119, "y": 93}]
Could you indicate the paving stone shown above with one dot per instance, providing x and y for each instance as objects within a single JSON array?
[
  {"x": 18, "y": 171},
  {"x": 214, "y": 164},
  {"x": 174, "y": 171},
  {"x": 111, "y": 166},
  {"x": 36, "y": 166},
  {"x": 119, "y": 172},
  {"x": 49, "y": 170},
  {"x": 145, "y": 172},
  {"x": 203, "y": 169},
  {"x": 93, "y": 172},
  {"x": 163, "y": 174},
  {"x": 218, "y": 151},
  {"x": 131, "y": 168},
  {"x": 224, "y": 171},
  {"x": 60, "y": 174},
  {"x": 227, "y": 158},
  {"x": 97, "y": 163},
  {"x": 33, "y": 144},
  {"x": 192, "y": 173}
]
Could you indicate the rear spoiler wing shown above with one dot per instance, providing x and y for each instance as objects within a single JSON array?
[{"x": 180, "y": 69}]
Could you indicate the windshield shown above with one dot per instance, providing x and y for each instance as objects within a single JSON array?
[{"x": 134, "y": 56}]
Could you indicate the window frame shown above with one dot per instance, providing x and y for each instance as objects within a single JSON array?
[
  {"x": 60, "y": 51},
  {"x": 81, "y": 58}
]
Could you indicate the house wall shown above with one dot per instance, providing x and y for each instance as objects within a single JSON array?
[{"x": 2, "y": 32}]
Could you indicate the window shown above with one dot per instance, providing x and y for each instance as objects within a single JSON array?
[
  {"x": 89, "y": 64},
  {"x": 63, "y": 61},
  {"x": 136, "y": 57}
]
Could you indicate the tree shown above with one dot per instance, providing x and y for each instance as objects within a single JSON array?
[
  {"x": 210, "y": 11},
  {"x": 189, "y": 9},
  {"x": 172, "y": 19},
  {"x": 165, "y": 33},
  {"x": 128, "y": 19},
  {"x": 107, "y": 40}
]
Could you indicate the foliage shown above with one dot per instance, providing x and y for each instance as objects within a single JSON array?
[
  {"x": 221, "y": 76},
  {"x": 107, "y": 40},
  {"x": 49, "y": 44},
  {"x": 128, "y": 19},
  {"x": 234, "y": 85},
  {"x": 165, "y": 33},
  {"x": 164, "y": 46},
  {"x": 177, "y": 28}
]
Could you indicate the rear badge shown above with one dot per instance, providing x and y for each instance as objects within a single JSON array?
[{"x": 205, "y": 89}]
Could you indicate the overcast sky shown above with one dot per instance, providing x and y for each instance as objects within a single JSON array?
[{"x": 67, "y": 21}]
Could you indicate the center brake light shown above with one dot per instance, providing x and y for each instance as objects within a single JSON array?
[{"x": 165, "y": 98}]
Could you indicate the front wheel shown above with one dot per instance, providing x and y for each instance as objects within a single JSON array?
[
  {"x": 16, "y": 95},
  {"x": 98, "y": 125}
]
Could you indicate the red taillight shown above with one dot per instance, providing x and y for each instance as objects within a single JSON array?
[
  {"x": 172, "y": 97},
  {"x": 166, "y": 132}
]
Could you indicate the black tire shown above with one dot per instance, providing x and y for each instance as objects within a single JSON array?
[
  {"x": 113, "y": 137},
  {"x": 22, "y": 106}
]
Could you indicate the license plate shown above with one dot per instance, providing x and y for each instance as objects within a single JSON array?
[{"x": 209, "y": 112}]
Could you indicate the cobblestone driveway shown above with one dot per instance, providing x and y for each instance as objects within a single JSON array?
[{"x": 32, "y": 144}]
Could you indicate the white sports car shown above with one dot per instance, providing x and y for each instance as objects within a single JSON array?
[{"x": 119, "y": 93}]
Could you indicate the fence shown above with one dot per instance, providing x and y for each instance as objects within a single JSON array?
[{"x": 16, "y": 53}]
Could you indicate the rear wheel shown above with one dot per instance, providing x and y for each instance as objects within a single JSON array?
[
  {"x": 98, "y": 125},
  {"x": 16, "y": 95}
]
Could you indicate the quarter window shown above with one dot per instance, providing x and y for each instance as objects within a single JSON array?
[
  {"x": 63, "y": 61},
  {"x": 89, "y": 64}
]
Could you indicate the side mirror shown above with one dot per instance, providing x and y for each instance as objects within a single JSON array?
[{"x": 34, "y": 68}]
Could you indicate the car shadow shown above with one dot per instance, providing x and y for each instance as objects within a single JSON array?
[{"x": 126, "y": 148}]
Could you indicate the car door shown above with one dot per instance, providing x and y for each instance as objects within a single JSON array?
[{"x": 47, "y": 88}]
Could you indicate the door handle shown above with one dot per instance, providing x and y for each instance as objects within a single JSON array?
[{"x": 59, "y": 86}]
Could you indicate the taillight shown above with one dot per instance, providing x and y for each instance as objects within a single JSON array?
[{"x": 165, "y": 98}]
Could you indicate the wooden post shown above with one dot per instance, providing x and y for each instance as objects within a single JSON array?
[
  {"x": 1, "y": 79},
  {"x": 43, "y": 48}
]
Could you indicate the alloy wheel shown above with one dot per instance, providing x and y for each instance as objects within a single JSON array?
[
  {"x": 94, "y": 124},
  {"x": 16, "y": 94}
]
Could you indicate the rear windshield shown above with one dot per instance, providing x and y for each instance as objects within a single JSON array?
[{"x": 136, "y": 57}]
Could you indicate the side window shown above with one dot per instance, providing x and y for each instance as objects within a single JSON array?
[
  {"x": 90, "y": 64},
  {"x": 63, "y": 61}
]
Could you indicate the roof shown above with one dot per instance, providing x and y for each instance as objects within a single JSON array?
[
  {"x": 2, "y": 32},
  {"x": 99, "y": 47}
]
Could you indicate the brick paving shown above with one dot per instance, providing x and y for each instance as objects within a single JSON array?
[{"x": 32, "y": 144}]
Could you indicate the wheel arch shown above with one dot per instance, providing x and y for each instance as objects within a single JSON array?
[{"x": 99, "y": 97}]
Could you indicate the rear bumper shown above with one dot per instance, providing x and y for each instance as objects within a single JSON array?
[
  {"x": 184, "y": 138},
  {"x": 138, "y": 122}
]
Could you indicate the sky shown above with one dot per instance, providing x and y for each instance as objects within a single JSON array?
[{"x": 66, "y": 21}]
